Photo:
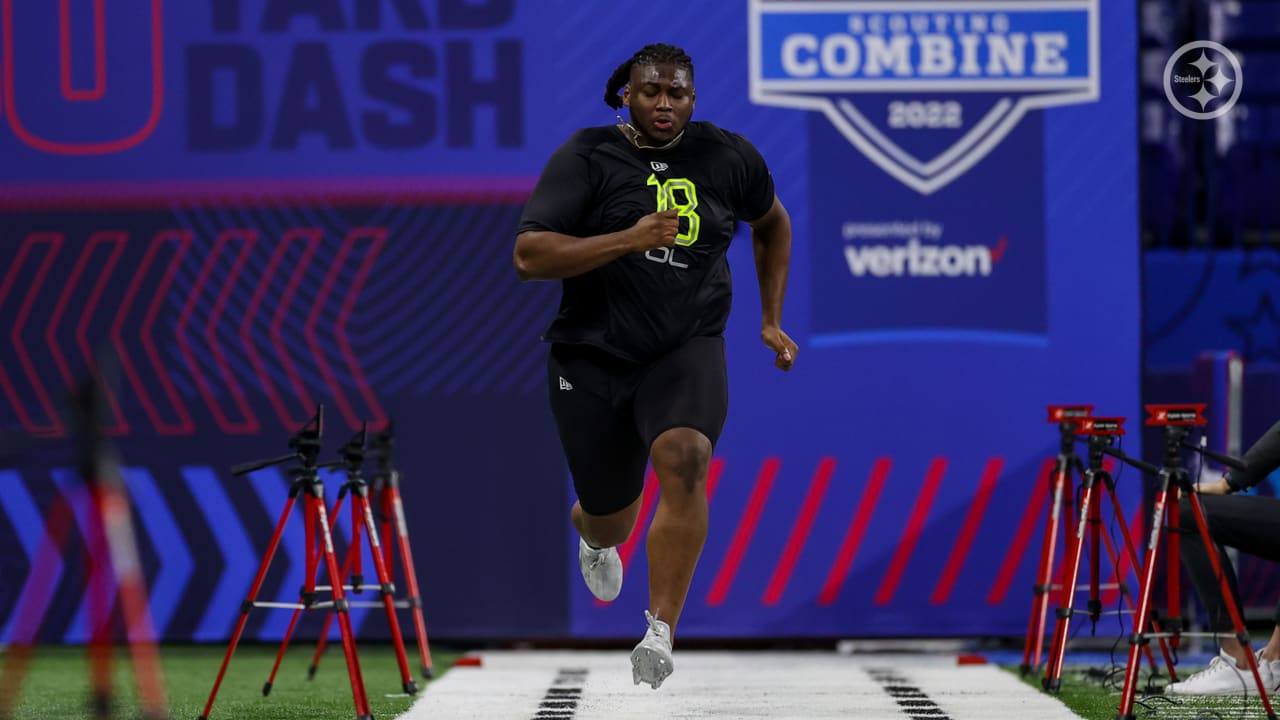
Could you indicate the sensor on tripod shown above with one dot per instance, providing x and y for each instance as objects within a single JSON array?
[
  {"x": 1067, "y": 413},
  {"x": 1176, "y": 415},
  {"x": 1101, "y": 426}
]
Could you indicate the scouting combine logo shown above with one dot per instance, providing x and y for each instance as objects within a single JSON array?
[{"x": 924, "y": 89}]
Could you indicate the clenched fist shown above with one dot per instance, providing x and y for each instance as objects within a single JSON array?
[{"x": 656, "y": 230}]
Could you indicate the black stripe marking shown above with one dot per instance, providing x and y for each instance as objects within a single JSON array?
[
  {"x": 561, "y": 699},
  {"x": 915, "y": 703}
]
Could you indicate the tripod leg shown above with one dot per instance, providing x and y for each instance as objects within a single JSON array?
[
  {"x": 1053, "y": 672},
  {"x": 1095, "y": 556},
  {"x": 1136, "y": 639},
  {"x": 1173, "y": 582},
  {"x": 98, "y": 587},
  {"x": 1132, "y": 555},
  {"x": 411, "y": 579},
  {"x": 388, "y": 598},
  {"x": 122, "y": 543},
  {"x": 341, "y": 609},
  {"x": 293, "y": 622},
  {"x": 323, "y": 641},
  {"x": 248, "y": 603},
  {"x": 35, "y": 597},
  {"x": 1033, "y": 646}
]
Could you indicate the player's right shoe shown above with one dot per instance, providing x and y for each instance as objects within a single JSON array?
[
  {"x": 601, "y": 569},
  {"x": 651, "y": 660}
]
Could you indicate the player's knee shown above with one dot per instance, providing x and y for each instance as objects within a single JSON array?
[
  {"x": 608, "y": 534},
  {"x": 683, "y": 455}
]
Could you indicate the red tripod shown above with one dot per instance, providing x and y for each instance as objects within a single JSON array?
[
  {"x": 1100, "y": 433},
  {"x": 1062, "y": 490},
  {"x": 110, "y": 547},
  {"x": 361, "y": 521},
  {"x": 306, "y": 445},
  {"x": 1173, "y": 477},
  {"x": 395, "y": 534}
]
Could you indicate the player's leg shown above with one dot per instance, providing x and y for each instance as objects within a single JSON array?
[
  {"x": 680, "y": 406},
  {"x": 606, "y": 458},
  {"x": 1250, "y": 524}
]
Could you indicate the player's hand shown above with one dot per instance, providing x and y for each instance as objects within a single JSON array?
[
  {"x": 1212, "y": 482},
  {"x": 656, "y": 230},
  {"x": 782, "y": 344}
]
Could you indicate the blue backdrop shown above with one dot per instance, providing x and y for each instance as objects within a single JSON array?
[{"x": 273, "y": 204}]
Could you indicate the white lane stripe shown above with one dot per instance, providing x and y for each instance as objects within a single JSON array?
[{"x": 779, "y": 686}]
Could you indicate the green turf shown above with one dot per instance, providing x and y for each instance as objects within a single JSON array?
[
  {"x": 56, "y": 686},
  {"x": 1095, "y": 698}
]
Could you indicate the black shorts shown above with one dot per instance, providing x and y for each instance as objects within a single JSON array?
[{"x": 609, "y": 411}]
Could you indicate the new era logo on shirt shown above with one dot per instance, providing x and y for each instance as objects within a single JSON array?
[
  {"x": 565, "y": 384},
  {"x": 658, "y": 166}
]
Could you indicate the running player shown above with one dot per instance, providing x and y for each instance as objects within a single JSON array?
[{"x": 635, "y": 219}]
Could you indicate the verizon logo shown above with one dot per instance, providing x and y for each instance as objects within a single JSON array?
[{"x": 916, "y": 259}]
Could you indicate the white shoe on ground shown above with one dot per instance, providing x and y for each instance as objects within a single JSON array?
[
  {"x": 651, "y": 660},
  {"x": 1222, "y": 677}
]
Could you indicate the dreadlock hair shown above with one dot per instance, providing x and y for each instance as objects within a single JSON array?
[{"x": 654, "y": 54}]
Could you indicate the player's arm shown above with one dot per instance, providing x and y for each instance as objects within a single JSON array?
[
  {"x": 547, "y": 246},
  {"x": 547, "y": 255},
  {"x": 771, "y": 244},
  {"x": 1262, "y": 458}
]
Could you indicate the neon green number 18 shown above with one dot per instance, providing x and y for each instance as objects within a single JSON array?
[{"x": 682, "y": 195}]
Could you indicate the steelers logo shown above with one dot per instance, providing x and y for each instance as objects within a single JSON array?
[{"x": 1202, "y": 80}]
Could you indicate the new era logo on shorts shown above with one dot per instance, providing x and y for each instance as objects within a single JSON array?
[{"x": 565, "y": 384}]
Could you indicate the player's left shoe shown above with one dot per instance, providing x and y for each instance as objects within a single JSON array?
[{"x": 651, "y": 660}]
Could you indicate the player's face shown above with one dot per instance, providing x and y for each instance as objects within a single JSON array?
[{"x": 661, "y": 101}]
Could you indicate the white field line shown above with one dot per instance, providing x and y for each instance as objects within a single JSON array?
[{"x": 527, "y": 685}]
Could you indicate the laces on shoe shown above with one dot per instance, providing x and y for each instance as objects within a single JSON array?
[{"x": 662, "y": 630}]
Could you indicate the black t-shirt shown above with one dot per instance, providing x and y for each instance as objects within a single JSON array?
[{"x": 642, "y": 305}]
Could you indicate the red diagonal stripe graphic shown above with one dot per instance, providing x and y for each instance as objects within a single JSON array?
[
  {"x": 378, "y": 237},
  {"x": 1022, "y": 536},
  {"x": 317, "y": 352},
  {"x": 184, "y": 426},
  {"x": 246, "y": 325},
  {"x": 911, "y": 534},
  {"x": 10, "y": 391},
  {"x": 972, "y": 521},
  {"x": 800, "y": 531},
  {"x": 24, "y": 311},
  {"x": 713, "y": 476},
  {"x": 119, "y": 238},
  {"x": 853, "y": 536},
  {"x": 742, "y": 536},
  {"x": 314, "y": 238},
  {"x": 249, "y": 422},
  {"x": 207, "y": 265},
  {"x": 60, "y": 308}
]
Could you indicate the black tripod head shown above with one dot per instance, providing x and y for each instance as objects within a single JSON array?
[
  {"x": 352, "y": 459},
  {"x": 382, "y": 447},
  {"x": 306, "y": 450},
  {"x": 1100, "y": 433},
  {"x": 1176, "y": 423}
]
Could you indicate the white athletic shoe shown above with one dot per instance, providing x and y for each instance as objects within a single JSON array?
[
  {"x": 1222, "y": 677},
  {"x": 601, "y": 569},
  {"x": 651, "y": 660},
  {"x": 1270, "y": 672}
]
